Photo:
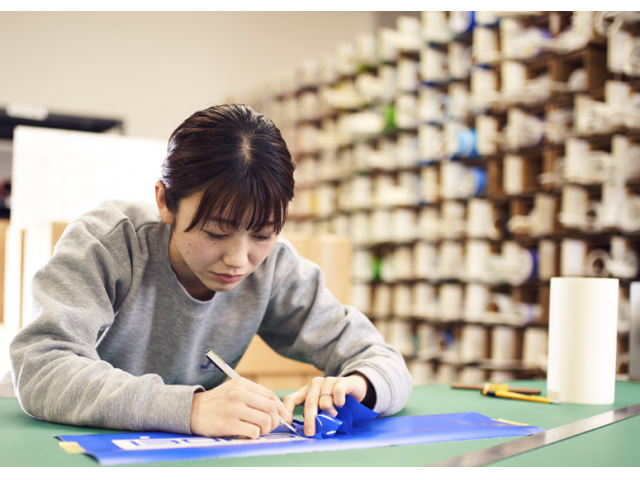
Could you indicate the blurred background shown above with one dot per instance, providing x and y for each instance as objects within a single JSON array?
[{"x": 467, "y": 157}]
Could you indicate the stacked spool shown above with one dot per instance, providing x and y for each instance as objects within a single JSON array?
[{"x": 471, "y": 156}]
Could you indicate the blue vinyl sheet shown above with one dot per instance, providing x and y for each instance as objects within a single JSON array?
[{"x": 137, "y": 447}]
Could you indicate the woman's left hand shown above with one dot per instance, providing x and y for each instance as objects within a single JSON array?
[{"x": 325, "y": 393}]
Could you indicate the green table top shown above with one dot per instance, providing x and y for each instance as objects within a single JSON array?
[{"x": 29, "y": 442}]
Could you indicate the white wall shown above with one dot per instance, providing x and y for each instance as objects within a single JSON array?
[{"x": 154, "y": 69}]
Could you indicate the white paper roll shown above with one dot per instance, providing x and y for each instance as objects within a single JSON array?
[{"x": 583, "y": 315}]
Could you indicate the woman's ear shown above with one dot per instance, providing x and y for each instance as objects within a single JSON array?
[{"x": 165, "y": 214}]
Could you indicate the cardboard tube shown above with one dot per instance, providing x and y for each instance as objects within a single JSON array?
[{"x": 583, "y": 316}]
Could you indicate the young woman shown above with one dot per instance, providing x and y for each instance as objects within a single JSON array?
[{"x": 135, "y": 294}]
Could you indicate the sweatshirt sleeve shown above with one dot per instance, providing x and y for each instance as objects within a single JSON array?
[
  {"x": 57, "y": 372},
  {"x": 305, "y": 322}
]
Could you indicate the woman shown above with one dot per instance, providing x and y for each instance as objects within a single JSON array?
[{"x": 135, "y": 294}]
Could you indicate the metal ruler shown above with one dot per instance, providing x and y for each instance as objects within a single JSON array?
[{"x": 526, "y": 444}]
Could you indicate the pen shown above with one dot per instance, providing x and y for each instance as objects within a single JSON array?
[
  {"x": 231, "y": 373},
  {"x": 515, "y": 396}
]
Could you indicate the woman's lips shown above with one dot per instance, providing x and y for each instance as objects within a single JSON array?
[{"x": 227, "y": 278}]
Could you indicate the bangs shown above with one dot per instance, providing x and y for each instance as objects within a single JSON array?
[{"x": 242, "y": 203}]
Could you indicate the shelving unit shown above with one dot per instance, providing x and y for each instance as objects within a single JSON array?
[{"x": 470, "y": 158}]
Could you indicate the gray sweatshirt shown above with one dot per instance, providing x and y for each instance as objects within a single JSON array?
[{"x": 118, "y": 343}]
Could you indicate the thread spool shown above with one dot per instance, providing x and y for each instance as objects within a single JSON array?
[
  {"x": 484, "y": 88},
  {"x": 387, "y": 270},
  {"x": 548, "y": 251},
  {"x": 453, "y": 222},
  {"x": 624, "y": 262},
  {"x": 361, "y": 188},
  {"x": 446, "y": 374},
  {"x": 596, "y": 262},
  {"x": 340, "y": 225},
  {"x": 543, "y": 215},
  {"x": 476, "y": 302},
  {"x": 386, "y": 45},
  {"x": 431, "y": 105},
  {"x": 534, "y": 347},
  {"x": 433, "y": 65},
  {"x": 404, "y": 225},
  {"x": 503, "y": 345},
  {"x": 430, "y": 142},
  {"x": 451, "y": 260},
  {"x": 472, "y": 375},
  {"x": 429, "y": 224},
  {"x": 487, "y": 131},
  {"x": 381, "y": 301},
  {"x": 460, "y": 101},
  {"x": 629, "y": 215},
  {"x": 365, "y": 49},
  {"x": 572, "y": 256},
  {"x": 426, "y": 261},
  {"x": 513, "y": 180},
  {"x": 402, "y": 300},
  {"x": 429, "y": 189},
  {"x": 402, "y": 259},
  {"x": 406, "y": 111},
  {"x": 450, "y": 299},
  {"x": 472, "y": 343},
  {"x": 514, "y": 79},
  {"x": 401, "y": 336},
  {"x": 407, "y": 150},
  {"x": 481, "y": 221},
  {"x": 359, "y": 228},
  {"x": 501, "y": 376},
  {"x": 407, "y": 75},
  {"x": 476, "y": 182},
  {"x": 362, "y": 266},
  {"x": 428, "y": 341},
  {"x": 461, "y": 22},
  {"x": 453, "y": 175},
  {"x": 424, "y": 300},
  {"x": 523, "y": 130},
  {"x": 477, "y": 258},
  {"x": 573, "y": 207},
  {"x": 460, "y": 140},
  {"x": 485, "y": 45},
  {"x": 361, "y": 297},
  {"x": 435, "y": 27},
  {"x": 422, "y": 373},
  {"x": 380, "y": 221},
  {"x": 459, "y": 60}
]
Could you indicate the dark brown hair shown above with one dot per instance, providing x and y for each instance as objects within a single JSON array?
[{"x": 237, "y": 158}]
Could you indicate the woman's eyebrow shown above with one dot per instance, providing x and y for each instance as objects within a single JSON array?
[{"x": 226, "y": 221}]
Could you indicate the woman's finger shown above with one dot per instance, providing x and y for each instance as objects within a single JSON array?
[
  {"x": 326, "y": 399},
  {"x": 311, "y": 406}
]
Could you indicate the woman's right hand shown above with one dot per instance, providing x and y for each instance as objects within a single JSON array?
[{"x": 238, "y": 407}]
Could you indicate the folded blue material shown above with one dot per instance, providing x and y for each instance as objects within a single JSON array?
[
  {"x": 352, "y": 413},
  {"x": 355, "y": 427}
]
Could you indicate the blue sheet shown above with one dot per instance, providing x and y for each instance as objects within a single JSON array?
[{"x": 137, "y": 447}]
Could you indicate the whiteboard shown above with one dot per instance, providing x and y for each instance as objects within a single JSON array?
[{"x": 57, "y": 175}]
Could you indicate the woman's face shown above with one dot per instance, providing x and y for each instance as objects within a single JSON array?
[{"x": 210, "y": 258}]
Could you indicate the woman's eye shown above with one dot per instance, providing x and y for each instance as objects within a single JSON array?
[{"x": 215, "y": 236}]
